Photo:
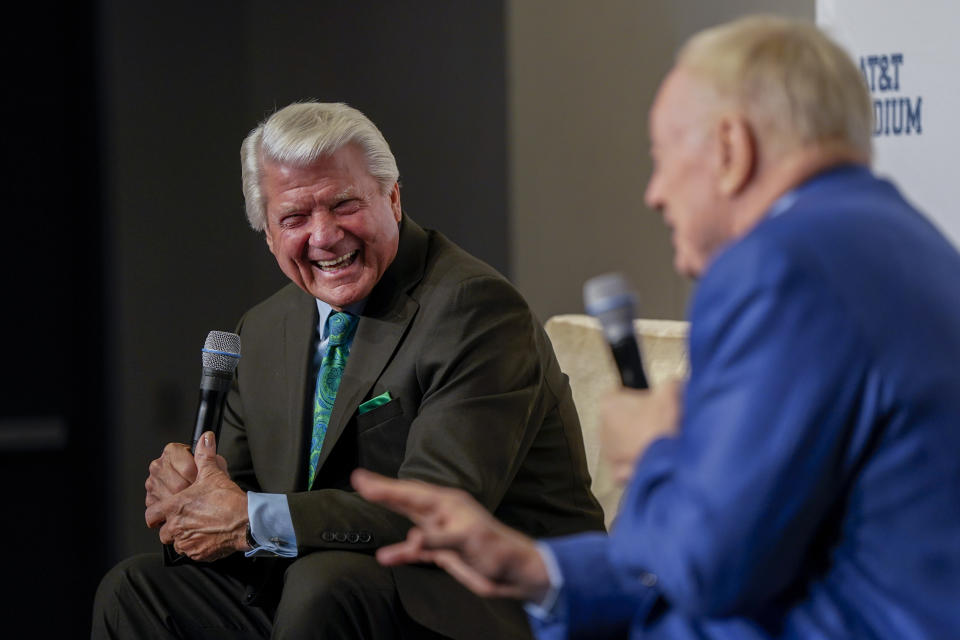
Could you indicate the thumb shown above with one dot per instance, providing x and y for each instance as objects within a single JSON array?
[{"x": 205, "y": 455}]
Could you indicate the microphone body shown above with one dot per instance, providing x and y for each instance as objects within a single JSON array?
[
  {"x": 626, "y": 353},
  {"x": 213, "y": 395},
  {"x": 609, "y": 299},
  {"x": 220, "y": 355}
]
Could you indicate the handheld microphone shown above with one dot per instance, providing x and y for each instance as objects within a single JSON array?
[
  {"x": 220, "y": 355},
  {"x": 609, "y": 299}
]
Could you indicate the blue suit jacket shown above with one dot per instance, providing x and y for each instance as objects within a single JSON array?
[{"x": 814, "y": 488}]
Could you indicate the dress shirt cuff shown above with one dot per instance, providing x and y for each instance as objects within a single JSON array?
[
  {"x": 271, "y": 525},
  {"x": 544, "y": 610}
]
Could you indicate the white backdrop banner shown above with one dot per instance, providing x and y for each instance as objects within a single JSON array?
[{"x": 907, "y": 52}]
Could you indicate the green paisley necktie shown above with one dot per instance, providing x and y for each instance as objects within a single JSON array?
[{"x": 340, "y": 328}]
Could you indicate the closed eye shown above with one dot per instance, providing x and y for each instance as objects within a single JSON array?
[
  {"x": 347, "y": 206},
  {"x": 293, "y": 219}
]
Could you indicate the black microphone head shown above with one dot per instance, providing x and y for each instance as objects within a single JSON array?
[
  {"x": 610, "y": 299},
  {"x": 221, "y": 352}
]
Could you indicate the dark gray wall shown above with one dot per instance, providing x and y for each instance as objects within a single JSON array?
[
  {"x": 184, "y": 82},
  {"x": 582, "y": 76},
  {"x": 52, "y": 423}
]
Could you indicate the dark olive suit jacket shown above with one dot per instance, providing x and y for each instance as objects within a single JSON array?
[{"x": 478, "y": 402}]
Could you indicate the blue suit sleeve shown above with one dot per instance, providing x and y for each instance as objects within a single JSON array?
[
  {"x": 592, "y": 602},
  {"x": 724, "y": 513}
]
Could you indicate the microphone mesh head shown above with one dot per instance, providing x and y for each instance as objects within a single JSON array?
[
  {"x": 609, "y": 299},
  {"x": 606, "y": 292},
  {"x": 221, "y": 351}
]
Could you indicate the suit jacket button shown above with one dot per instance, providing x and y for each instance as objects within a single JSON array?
[
  {"x": 353, "y": 537},
  {"x": 365, "y": 536},
  {"x": 327, "y": 536},
  {"x": 340, "y": 536}
]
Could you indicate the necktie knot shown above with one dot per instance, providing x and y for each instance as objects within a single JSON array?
[{"x": 340, "y": 326}]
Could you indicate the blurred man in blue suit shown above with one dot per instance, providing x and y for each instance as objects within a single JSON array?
[{"x": 809, "y": 482}]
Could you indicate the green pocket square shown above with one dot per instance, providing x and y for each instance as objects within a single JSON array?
[{"x": 373, "y": 403}]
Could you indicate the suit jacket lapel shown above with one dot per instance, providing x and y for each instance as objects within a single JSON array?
[
  {"x": 300, "y": 326},
  {"x": 384, "y": 321}
]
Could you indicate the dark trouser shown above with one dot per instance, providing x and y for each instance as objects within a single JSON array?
[{"x": 329, "y": 594}]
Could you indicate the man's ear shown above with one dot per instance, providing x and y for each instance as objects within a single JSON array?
[
  {"x": 738, "y": 153},
  {"x": 395, "y": 202}
]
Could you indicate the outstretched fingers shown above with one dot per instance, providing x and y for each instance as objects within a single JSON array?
[
  {"x": 409, "y": 498},
  {"x": 409, "y": 551},
  {"x": 453, "y": 531},
  {"x": 453, "y": 563}
]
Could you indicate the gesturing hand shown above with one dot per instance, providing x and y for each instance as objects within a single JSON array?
[
  {"x": 457, "y": 534},
  {"x": 206, "y": 520}
]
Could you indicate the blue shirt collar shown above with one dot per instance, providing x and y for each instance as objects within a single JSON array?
[
  {"x": 782, "y": 204},
  {"x": 324, "y": 310}
]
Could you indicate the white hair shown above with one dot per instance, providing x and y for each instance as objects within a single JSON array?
[
  {"x": 298, "y": 135},
  {"x": 796, "y": 85}
]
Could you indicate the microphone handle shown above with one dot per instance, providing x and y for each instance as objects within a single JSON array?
[
  {"x": 214, "y": 386},
  {"x": 627, "y": 355}
]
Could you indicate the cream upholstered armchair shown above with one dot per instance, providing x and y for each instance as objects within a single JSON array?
[{"x": 585, "y": 357}]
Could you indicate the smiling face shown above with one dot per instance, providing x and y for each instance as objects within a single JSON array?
[
  {"x": 330, "y": 225},
  {"x": 687, "y": 165}
]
